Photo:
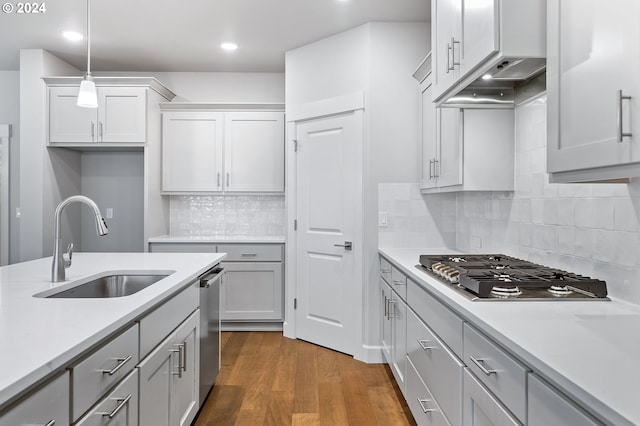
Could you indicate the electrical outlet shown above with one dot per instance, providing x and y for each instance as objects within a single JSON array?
[{"x": 383, "y": 219}]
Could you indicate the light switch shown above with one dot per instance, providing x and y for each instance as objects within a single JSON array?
[{"x": 383, "y": 219}]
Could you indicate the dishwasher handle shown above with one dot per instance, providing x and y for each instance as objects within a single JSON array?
[{"x": 211, "y": 277}]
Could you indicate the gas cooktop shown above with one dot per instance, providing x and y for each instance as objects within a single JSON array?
[{"x": 501, "y": 277}]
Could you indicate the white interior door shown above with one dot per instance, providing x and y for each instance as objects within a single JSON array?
[{"x": 328, "y": 185}]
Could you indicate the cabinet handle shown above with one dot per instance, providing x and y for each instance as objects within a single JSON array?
[
  {"x": 249, "y": 254},
  {"x": 93, "y": 130},
  {"x": 386, "y": 306},
  {"x": 399, "y": 282},
  {"x": 453, "y": 53},
  {"x": 100, "y": 130},
  {"x": 121, "y": 363},
  {"x": 436, "y": 174},
  {"x": 621, "y": 133},
  {"x": 423, "y": 345},
  {"x": 180, "y": 352},
  {"x": 480, "y": 363},
  {"x": 218, "y": 179},
  {"x": 430, "y": 169},
  {"x": 448, "y": 63},
  {"x": 392, "y": 313},
  {"x": 50, "y": 423},
  {"x": 228, "y": 179},
  {"x": 121, "y": 404},
  {"x": 184, "y": 356},
  {"x": 386, "y": 271},
  {"x": 423, "y": 405}
]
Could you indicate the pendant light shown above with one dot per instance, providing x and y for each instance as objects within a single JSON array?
[{"x": 87, "y": 96}]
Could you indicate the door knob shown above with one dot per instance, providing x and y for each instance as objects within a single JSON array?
[{"x": 347, "y": 245}]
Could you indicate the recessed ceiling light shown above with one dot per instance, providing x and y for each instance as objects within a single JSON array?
[
  {"x": 72, "y": 36},
  {"x": 487, "y": 77},
  {"x": 228, "y": 45}
]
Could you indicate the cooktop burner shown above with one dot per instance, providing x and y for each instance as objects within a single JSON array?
[{"x": 501, "y": 277}]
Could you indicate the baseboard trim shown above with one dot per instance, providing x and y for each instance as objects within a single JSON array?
[
  {"x": 250, "y": 326},
  {"x": 371, "y": 354}
]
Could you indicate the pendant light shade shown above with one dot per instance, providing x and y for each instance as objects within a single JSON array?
[{"x": 87, "y": 96}]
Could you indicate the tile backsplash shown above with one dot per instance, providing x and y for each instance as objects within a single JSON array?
[
  {"x": 590, "y": 229},
  {"x": 227, "y": 215}
]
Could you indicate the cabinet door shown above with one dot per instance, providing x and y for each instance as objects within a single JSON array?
[
  {"x": 428, "y": 134},
  {"x": 399, "y": 348},
  {"x": 156, "y": 381},
  {"x": 118, "y": 408},
  {"x": 251, "y": 291},
  {"x": 385, "y": 295},
  {"x": 480, "y": 30},
  {"x": 191, "y": 151},
  {"x": 122, "y": 114},
  {"x": 592, "y": 55},
  {"x": 445, "y": 43},
  {"x": 548, "y": 407},
  {"x": 48, "y": 404},
  {"x": 480, "y": 408},
  {"x": 254, "y": 151},
  {"x": 449, "y": 164},
  {"x": 186, "y": 382},
  {"x": 67, "y": 121}
]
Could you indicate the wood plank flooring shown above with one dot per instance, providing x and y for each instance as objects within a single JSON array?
[{"x": 268, "y": 379}]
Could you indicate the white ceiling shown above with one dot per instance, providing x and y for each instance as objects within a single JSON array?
[{"x": 183, "y": 35}]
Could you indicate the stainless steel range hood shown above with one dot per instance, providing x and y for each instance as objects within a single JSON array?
[{"x": 509, "y": 82}]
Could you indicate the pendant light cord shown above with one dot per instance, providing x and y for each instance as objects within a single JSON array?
[{"x": 88, "y": 37}]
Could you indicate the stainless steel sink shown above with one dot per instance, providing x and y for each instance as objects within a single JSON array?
[{"x": 106, "y": 286}]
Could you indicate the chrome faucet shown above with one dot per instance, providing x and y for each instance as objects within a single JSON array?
[{"x": 61, "y": 261}]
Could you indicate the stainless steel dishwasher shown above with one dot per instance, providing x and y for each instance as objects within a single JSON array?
[{"x": 209, "y": 329}]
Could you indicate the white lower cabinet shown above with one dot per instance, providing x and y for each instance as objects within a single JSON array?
[
  {"x": 394, "y": 326},
  {"x": 549, "y": 407},
  {"x": 424, "y": 408},
  {"x": 47, "y": 405},
  {"x": 119, "y": 407},
  {"x": 481, "y": 408},
  {"x": 168, "y": 379}
]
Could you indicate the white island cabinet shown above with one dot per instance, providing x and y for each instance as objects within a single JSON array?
[
  {"x": 48, "y": 405},
  {"x": 222, "y": 148},
  {"x": 593, "y": 90}
]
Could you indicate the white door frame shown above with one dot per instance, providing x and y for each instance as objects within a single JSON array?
[
  {"x": 353, "y": 102},
  {"x": 5, "y": 133}
]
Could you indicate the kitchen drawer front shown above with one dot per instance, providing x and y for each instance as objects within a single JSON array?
[
  {"x": 549, "y": 407},
  {"x": 251, "y": 252},
  {"x": 120, "y": 407},
  {"x": 97, "y": 373},
  {"x": 49, "y": 402},
  {"x": 480, "y": 408},
  {"x": 497, "y": 370},
  {"x": 439, "y": 368},
  {"x": 385, "y": 270},
  {"x": 182, "y": 248},
  {"x": 446, "y": 324},
  {"x": 158, "y": 324},
  {"x": 399, "y": 282},
  {"x": 422, "y": 404}
]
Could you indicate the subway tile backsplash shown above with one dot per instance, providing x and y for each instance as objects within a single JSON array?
[
  {"x": 590, "y": 229},
  {"x": 227, "y": 215}
]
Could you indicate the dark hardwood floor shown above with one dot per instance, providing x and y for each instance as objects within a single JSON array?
[{"x": 267, "y": 379}]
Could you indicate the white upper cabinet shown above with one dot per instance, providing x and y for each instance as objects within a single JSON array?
[
  {"x": 472, "y": 37},
  {"x": 593, "y": 90},
  {"x": 254, "y": 151},
  {"x": 192, "y": 151},
  {"x": 215, "y": 150},
  {"x": 121, "y": 116}
]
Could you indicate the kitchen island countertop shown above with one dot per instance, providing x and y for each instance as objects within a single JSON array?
[
  {"x": 587, "y": 349},
  {"x": 40, "y": 336}
]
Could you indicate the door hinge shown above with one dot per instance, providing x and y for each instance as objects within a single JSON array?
[
  {"x": 295, "y": 303},
  {"x": 295, "y": 224},
  {"x": 295, "y": 145}
]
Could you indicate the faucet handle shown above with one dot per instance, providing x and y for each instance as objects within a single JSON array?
[{"x": 68, "y": 255}]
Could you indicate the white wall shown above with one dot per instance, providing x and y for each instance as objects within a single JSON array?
[
  {"x": 10, "y": 114},
  {"x": 377, "y": 59}
]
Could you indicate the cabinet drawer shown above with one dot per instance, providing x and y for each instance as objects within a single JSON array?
[
  {"x": 444, "y": 323},
  {"x": 385, "y": 270},
  {"x": 482, "y": 408},
  {"x": 422, "y": 404},
  {"x": 439, "y": 368},
  {"x": 497, "y": 370},
  {"x": 49, "y": 402},
  {"x": 158, "y": 324},
  {"x": 182, "y": 248},
  {"x": 251, "y": 252},
  {"x": 549, "y": 407},
  {"x": 119, "y": 407},
  {"x": 96, "y": 374},
  {"x": 399, "y": 282}
]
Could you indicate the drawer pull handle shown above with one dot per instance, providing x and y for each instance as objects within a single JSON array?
[
  {"x": 121, "y": 404},
  {"x": 121, "y": 363},
  {"x": 423, "y": 405},
  {"x": 423, "y": 345},
  {"x": 50, "y": 423},
  {"x": 181, "y": 359},
  {"x": 249, "y": 254},
  {"x": 392, "y": 312},
  {"x": 386, "y": 271},
  {"x": 480, "y": 363},
  {"x": 399, "y": 282}
]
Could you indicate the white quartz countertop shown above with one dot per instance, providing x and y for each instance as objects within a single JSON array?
[
  {"x": 39, "y": 336},
  {"x": 588, "y": 349},
  {"x": 256, "y": 239}
]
